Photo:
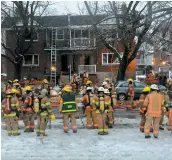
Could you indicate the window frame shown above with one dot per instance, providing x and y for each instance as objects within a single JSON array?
[
  {"x": 29, "y": 65},
  {"x": 73, "y": 37},
  {"x": 107, "y": 54},
  {"x": 114, "y": 63}
]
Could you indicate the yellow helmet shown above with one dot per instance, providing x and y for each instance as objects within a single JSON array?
[
  {"x": 13, "y": 90},
  {"x": 89, "y": 82},
  {"x": 67, "y": 88},
  {"x": 36, "y": 100},
  {"x": 52, "y": 117},
  {"x": 28, "y": 88},
  {"x": 16, "y": 81},
  {"x": 146, "y": 89},
  {"x": 106, "y": 79},
  {"x": 130, "y": 80},
  {"x": 16, "y": 84},
  {"x": 45, "y": 81}
]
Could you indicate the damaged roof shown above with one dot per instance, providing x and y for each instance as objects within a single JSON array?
[{"x": 55, "y": 21}]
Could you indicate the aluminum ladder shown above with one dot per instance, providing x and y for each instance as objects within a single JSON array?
[{"x": 53, "y": 56}]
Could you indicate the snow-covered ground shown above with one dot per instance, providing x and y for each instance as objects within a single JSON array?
[{"x": 124, "y": 142}]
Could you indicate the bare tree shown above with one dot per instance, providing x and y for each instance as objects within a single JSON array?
[
  {"x": 21, "y": 15},
  {"x": 134, "y": 22}
]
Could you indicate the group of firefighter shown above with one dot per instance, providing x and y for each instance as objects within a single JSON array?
[{"x": 99, "y": 103}]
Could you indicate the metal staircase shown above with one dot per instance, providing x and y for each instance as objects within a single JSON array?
[{"x": 53, "y": 56}]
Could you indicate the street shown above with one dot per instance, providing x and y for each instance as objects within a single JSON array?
[{"x": 124, "y": 142}]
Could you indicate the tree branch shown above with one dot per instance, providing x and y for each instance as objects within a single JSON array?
[
  {"x": 8, "y": 58},
  {"x": 101, "y": 37}
]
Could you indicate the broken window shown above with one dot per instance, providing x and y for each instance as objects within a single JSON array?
[
  {"x": 85, "y": 34},
  {"x": 31, "y": 60},
  {"x": 29, "y": 35}
]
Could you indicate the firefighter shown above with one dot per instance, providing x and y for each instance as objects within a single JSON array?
[
  {"x": 90, "y": 111},
  {"x": 169, "y": 109},
  {"x": 9, "y": 85},
  {"x": 101, "y": 112},
  {"x": 109, "y": 107},
  {"x": 28, "y": 112},
  {"x": 10, "y": 106},
  {"x": 130, "y": 92},
  {"x": 68, "y": 107},
  {"x": 109, "y": 84},
  {"x": 19, "y": 94},
  {"x": 162, "y": 91},
  {"x": 45, "y": 84},
  {"x": 44, "y": 113},
  {"x": 74, "y": 83},
  {"x": 85, "y": 78},
  {"x": 142, "y": 108},
  {"x": 153, "y": 102}
]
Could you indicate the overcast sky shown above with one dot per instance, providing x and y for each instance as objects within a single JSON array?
[{"x": 66, "y": 7}]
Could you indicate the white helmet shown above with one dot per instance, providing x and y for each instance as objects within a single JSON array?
[
  {"x": 154, "y": 86},
  {"x": 106, "y": 91},
  {"x": 104, "y": 83},
  {"x": 101, "y": 89},
  {"x": 53, "y": 93},
  {"x": 89, "y": 88}
]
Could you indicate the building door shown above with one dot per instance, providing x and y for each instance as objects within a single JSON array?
[
  {"x": 87, "y": 60},
  {"x": 64, "y": 63}
]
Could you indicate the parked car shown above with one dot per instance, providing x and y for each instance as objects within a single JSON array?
[{"x": 122, "y": 89}]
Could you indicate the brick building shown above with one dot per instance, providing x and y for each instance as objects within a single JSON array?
[{"x": 75, "y": 46}]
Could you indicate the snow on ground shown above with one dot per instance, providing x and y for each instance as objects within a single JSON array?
[{"x": 124, "y": 142}]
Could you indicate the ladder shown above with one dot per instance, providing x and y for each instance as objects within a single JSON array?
[{"x": 53, "y": 57}]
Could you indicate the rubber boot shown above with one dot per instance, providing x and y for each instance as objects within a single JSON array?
[
  {"x": 156, "y": 137},
  {"x": 110, "y": 126},
  {"x": 161, "y": 128},
  {"x": 38, "y": 134},
  {"x": 147, "y": 136},
  {"x": 74, "y": 131},
  {"x": 100, "y": 133},
  {"x": 16, "y": 134},
  {"x": 27, "y": 130},
  {"x": 31, "y": 130},
  {"x": 9, "y": 134}
]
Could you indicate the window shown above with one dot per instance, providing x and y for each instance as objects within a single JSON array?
[
  {"x": 139, "y": 85},
  {"x": 80, "y": 37},
  {"x": 107, "y": 58},
  {"x": 125, "y": 84},
  {"x": 31, "y": 60},
  {"x": 28, "y": 35},
  {"x": 60, "y": 34}
]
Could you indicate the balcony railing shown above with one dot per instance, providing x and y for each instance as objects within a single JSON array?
[{"x": 76, "y": 43}]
